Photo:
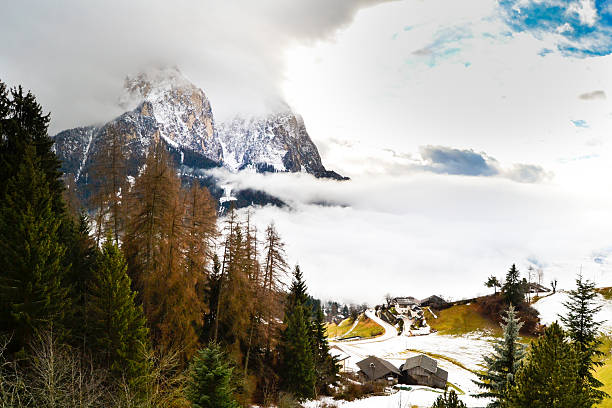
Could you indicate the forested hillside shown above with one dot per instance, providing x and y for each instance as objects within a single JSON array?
[{"x": 132, "y": 304}]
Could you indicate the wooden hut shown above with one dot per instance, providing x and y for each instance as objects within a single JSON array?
[{"x": 423, "y": 370}]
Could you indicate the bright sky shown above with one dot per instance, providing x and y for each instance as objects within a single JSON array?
[{"x": 476, "y": 132}]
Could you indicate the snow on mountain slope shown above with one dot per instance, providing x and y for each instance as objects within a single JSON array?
[
  {"x": 182, "y": 112},
  {"x": 277, "y": 142},
  {"x": 162, "y": 104}
]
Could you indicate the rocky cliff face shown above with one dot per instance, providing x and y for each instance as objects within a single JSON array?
[{"x": 163, "y": 105}]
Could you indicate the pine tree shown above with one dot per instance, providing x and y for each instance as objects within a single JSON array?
[
  {"x": 210, "y": 380},
  {"x": 492, "y": 282},
  {"x": 326, "y": 366},
  {"x": 298, "y": 294},
  {"x": 513, "y": 290},
  {"x": 116, "y": 325},
  {"x": 22, "y": 124},
  {"x": 583, "y": 330},
  {"x": 448, "y": 400},
  {"x": 297, "y": 371},
  {"x": 82, "y": 256},
  {"x": 550, "y": 376},
  {"x": 503, "y": 363},
  {"x": 33, "y": 288}
]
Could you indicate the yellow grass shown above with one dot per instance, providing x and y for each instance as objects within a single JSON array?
[
  {"x": 367, "y": 328},
  {"x": 604, "y": 373},
  {"x": 334, "y": 330},
  {"x": 461, "y": 319},
  {"x": 605, "y": 292}
]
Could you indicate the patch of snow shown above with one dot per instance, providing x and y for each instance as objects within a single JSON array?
[
  {"x": 85, "y": 154},
  {"x": 550, "y": 307},
  {"x": 468, "y": 350}
]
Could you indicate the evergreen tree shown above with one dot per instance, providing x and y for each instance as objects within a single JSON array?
[
  {"x": 33, "y": 291},
  {"x": 448, "y": 400},
  {"x": 326, "y": 366},
  {"x": 297, "y": 292},
  {"x": 297, "y": 371},
  {"x": 503, "y": 363},
  {"x": 116, "y": 325},
  {"x": 22, "y": 124},
  {"x": 210, "y": 380},
  {"x": 550, "y": 377},
  {"x": 513, "y": 290},
  {"x": 82, "y": 256},
  {"x": 583, "y": 330},
  {"x": 492, "y": 282}
]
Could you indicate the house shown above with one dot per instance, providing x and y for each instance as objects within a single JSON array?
[
  {"x": 537, "y": 288},
  {"x": 435, "y": 302},
  {"x": 404, "y": 304},
  {"x": 423, "y": 370},
  {"x": 341, "y": 357},
  {"x": 377, "y": 369}
]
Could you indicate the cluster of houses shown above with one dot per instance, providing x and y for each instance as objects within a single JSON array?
[
  {"x": 405, "y": 305},
  {"x": 417, "y": 370}
]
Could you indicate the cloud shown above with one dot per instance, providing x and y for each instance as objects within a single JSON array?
[
  {"x": 447, "y": 160},
  {"x": 583, "y": 28},
  {"x": 427, "y": 233},
  {"x": 588, "y": 96},
  {"x": 527, "y": 173},
  {"x": 74, "y": 55}
]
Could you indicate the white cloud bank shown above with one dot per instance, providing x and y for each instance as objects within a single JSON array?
[{"x": 424, "y": 234}]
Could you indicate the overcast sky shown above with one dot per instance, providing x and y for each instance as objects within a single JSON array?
[{"x": 476, "y": 132}]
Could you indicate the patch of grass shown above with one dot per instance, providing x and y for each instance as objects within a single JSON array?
[
  {"x": 604, "y": 373},
  {"x": 461, "y": 319},
  {"x": 605, "y": 292},
  {"x": 367, "y": 328},
  {"x": 334, "y": 330}
]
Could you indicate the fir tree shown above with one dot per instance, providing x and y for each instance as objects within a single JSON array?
[
  {"x": 448, "y": 400},
  {"x": 116, "y": 325},
  {"x": 297, "y": 292},
  {"x": 503, "y": 363},
  {"x": 583, "y": 330},
  {"x": 297, "y": 370},
  {"x": 550, "y": 377},
  {"x": 33, "y": 290},
  {"x": 210, "y": 380},
  {"x": 513, "y": 289},
  {"x": 326, "y": 366},
  {"x": 82, "y": 256}
]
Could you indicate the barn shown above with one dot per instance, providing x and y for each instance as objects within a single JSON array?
[
  {"x": 423, "y": 370},
  {"x": 376, "y": 369}
]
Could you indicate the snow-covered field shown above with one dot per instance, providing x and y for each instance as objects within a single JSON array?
[
  {"x": 551, "y": 307},
  {"x": 466, "y": 350}
]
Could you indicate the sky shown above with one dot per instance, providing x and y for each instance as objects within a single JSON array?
[{"x": 476, "y": 133}]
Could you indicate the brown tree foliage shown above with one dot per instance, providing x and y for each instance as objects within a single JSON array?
[
  {"x": 168, "y": 246},
  {"x": 109, "y": 184}
]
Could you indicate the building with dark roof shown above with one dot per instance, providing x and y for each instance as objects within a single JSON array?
[
  {"x": 374, "y": 369},
  {"x": 423, "y": 370}
]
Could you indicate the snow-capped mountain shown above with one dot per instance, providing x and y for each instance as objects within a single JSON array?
[{"x": 163, "y": 104}]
